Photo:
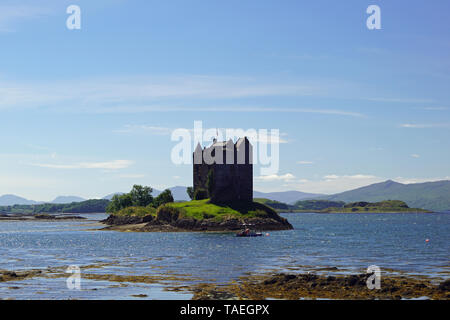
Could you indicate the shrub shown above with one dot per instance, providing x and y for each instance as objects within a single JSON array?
[
  {"x": 200, "y": 194},
  {"x": 167, "y": 213},
  {"x": 163, "y": 198}
]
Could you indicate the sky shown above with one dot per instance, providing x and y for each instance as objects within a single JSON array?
[{"x": 90, "y": 112}]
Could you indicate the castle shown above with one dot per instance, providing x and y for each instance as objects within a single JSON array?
[{"x": 230, "y": 166}]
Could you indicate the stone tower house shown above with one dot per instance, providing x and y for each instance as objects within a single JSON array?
[{"x": 231, "y": 165}]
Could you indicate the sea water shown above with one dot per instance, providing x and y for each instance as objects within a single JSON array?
[{"x": 347, "y": 243}]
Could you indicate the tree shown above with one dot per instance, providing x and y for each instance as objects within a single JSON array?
[
  {"x": 119, "y": 202},
  {"x": 190, "y": 192},
  {"x": 141, "y": 196},
  {"x": 163, "y": 198}
]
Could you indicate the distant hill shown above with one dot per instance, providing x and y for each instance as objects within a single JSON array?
[
  {"x": 178, "y": 192},
  {"x": 10, "y": 200},
  {"x": 289, "y": 197},
  {"x": 110, "y": 196},
  {"x": 68, "y": 199},
  {"x": 428, "y": 195},
  {"x": 88, "y": 206}
]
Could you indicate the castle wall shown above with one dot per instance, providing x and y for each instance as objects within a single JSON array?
[{"x": 232, "y": 181}]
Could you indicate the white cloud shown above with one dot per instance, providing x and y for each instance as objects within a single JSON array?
[
  {"x": 10, "y": 15},
  {"x": 157, "y": 94},
  {"x": 425, "y": 125},
  {"x": 434, "y": 108},
  {"x": 419, "y": 180},
  {"x": 109, "y": 165},
  {"x": 305, "y": 162},
  {"x": 274, "y": 177},
  {"x": 401, "y": 100},
  {"x": 131, "y": 92},
  {"x": 268, "y": 139},
  {"x": 129, "y": 128},
  {"x": 415, "y": 155},
  {"x": 131, "y": 176}
]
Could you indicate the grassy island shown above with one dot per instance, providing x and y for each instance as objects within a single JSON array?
[
  {"x": 388, "y": 206},
  {"x": 197, "y": 215},
  {"x": 327, "y": 206},
  {"x": 138, "y": 211}
]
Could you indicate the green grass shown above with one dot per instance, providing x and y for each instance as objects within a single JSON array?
[
  {"x": 377, "y": 207},
  {"x": 200, "y": 210},
  {"x": 136, "y": 212},
  {"x": 204, "y": 209}
]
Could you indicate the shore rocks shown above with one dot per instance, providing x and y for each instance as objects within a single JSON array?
[
  {"x": 166, "y": 220},
  {"x": 309, "y": 285},
  {"x": 113, "y": 220}
]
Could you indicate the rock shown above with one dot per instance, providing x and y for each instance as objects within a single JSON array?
[
  {"x": 444, "y": 286},
  {"x": 114, "y": 220},
  {"x": 147, "y": 218}
]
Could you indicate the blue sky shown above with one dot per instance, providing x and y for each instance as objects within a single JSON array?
[{"x": 89, "y": 112}]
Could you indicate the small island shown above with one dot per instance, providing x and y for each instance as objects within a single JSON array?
[
  {"x": 326, "y": 206},
  {"x": 196, "y": 215},
  {"x": 222, "y": 198}
]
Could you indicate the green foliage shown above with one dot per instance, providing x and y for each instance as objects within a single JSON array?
[
  {"x": 163, "y": 198},
  {"x": 315, "y": 205},
  {"x": 89, "y": 206},
  {"x": 204, "y": 209},
  {"x": 200, "y": 194},
  {"x": 168, "y": 213},
  {"x": 376, "y": 207},
  {"x": 139, "y": 196},
  {"x": 190, "y": 192},
  {"x": 428, "y": 195},
  {"x": 273, "y": 204},
  {"x": 136, "y": 211},
  {"x": 119, "y": 202}
]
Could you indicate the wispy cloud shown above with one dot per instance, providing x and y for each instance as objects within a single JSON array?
[
  {"x": 304, "y": 162},
  {"x": 414, "y": 155},
  {"x": 131, "y": 176},
  {"x": 160, "y": 94},
  {"x": 434, "y": 108},
  {"x": 108, "y": 165},
  {"x": 425, "y": 125},
  {"x": 132, "y": 91},
  {"x": 142, "y": 128},
  {"x": 11, "y": 15},
  {"x": 275, "y": 177},
  {"x": 401, "y": 100}
]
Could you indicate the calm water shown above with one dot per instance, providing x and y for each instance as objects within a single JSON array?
[{"x": 347, "y": 241}]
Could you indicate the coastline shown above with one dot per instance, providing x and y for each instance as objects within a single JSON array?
[
  {"x": 136, "y": 224},
  {"x": 270, "y": 285},
  {"x": 333, "y": 287}
]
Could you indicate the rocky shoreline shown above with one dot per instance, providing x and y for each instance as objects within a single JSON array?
[
  {"x": 312, "y": 286},
  {"x": 266, "y": 286},
  {"x": 171, "y": 224},
  {"x": 39, "y": 217}
]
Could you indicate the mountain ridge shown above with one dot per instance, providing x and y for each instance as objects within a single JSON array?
[
  {"x": 427, "y": 195},
  {"x": 433, "y": 196}
]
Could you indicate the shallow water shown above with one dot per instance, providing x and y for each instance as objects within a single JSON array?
[{"x": 350, "y": 242}]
